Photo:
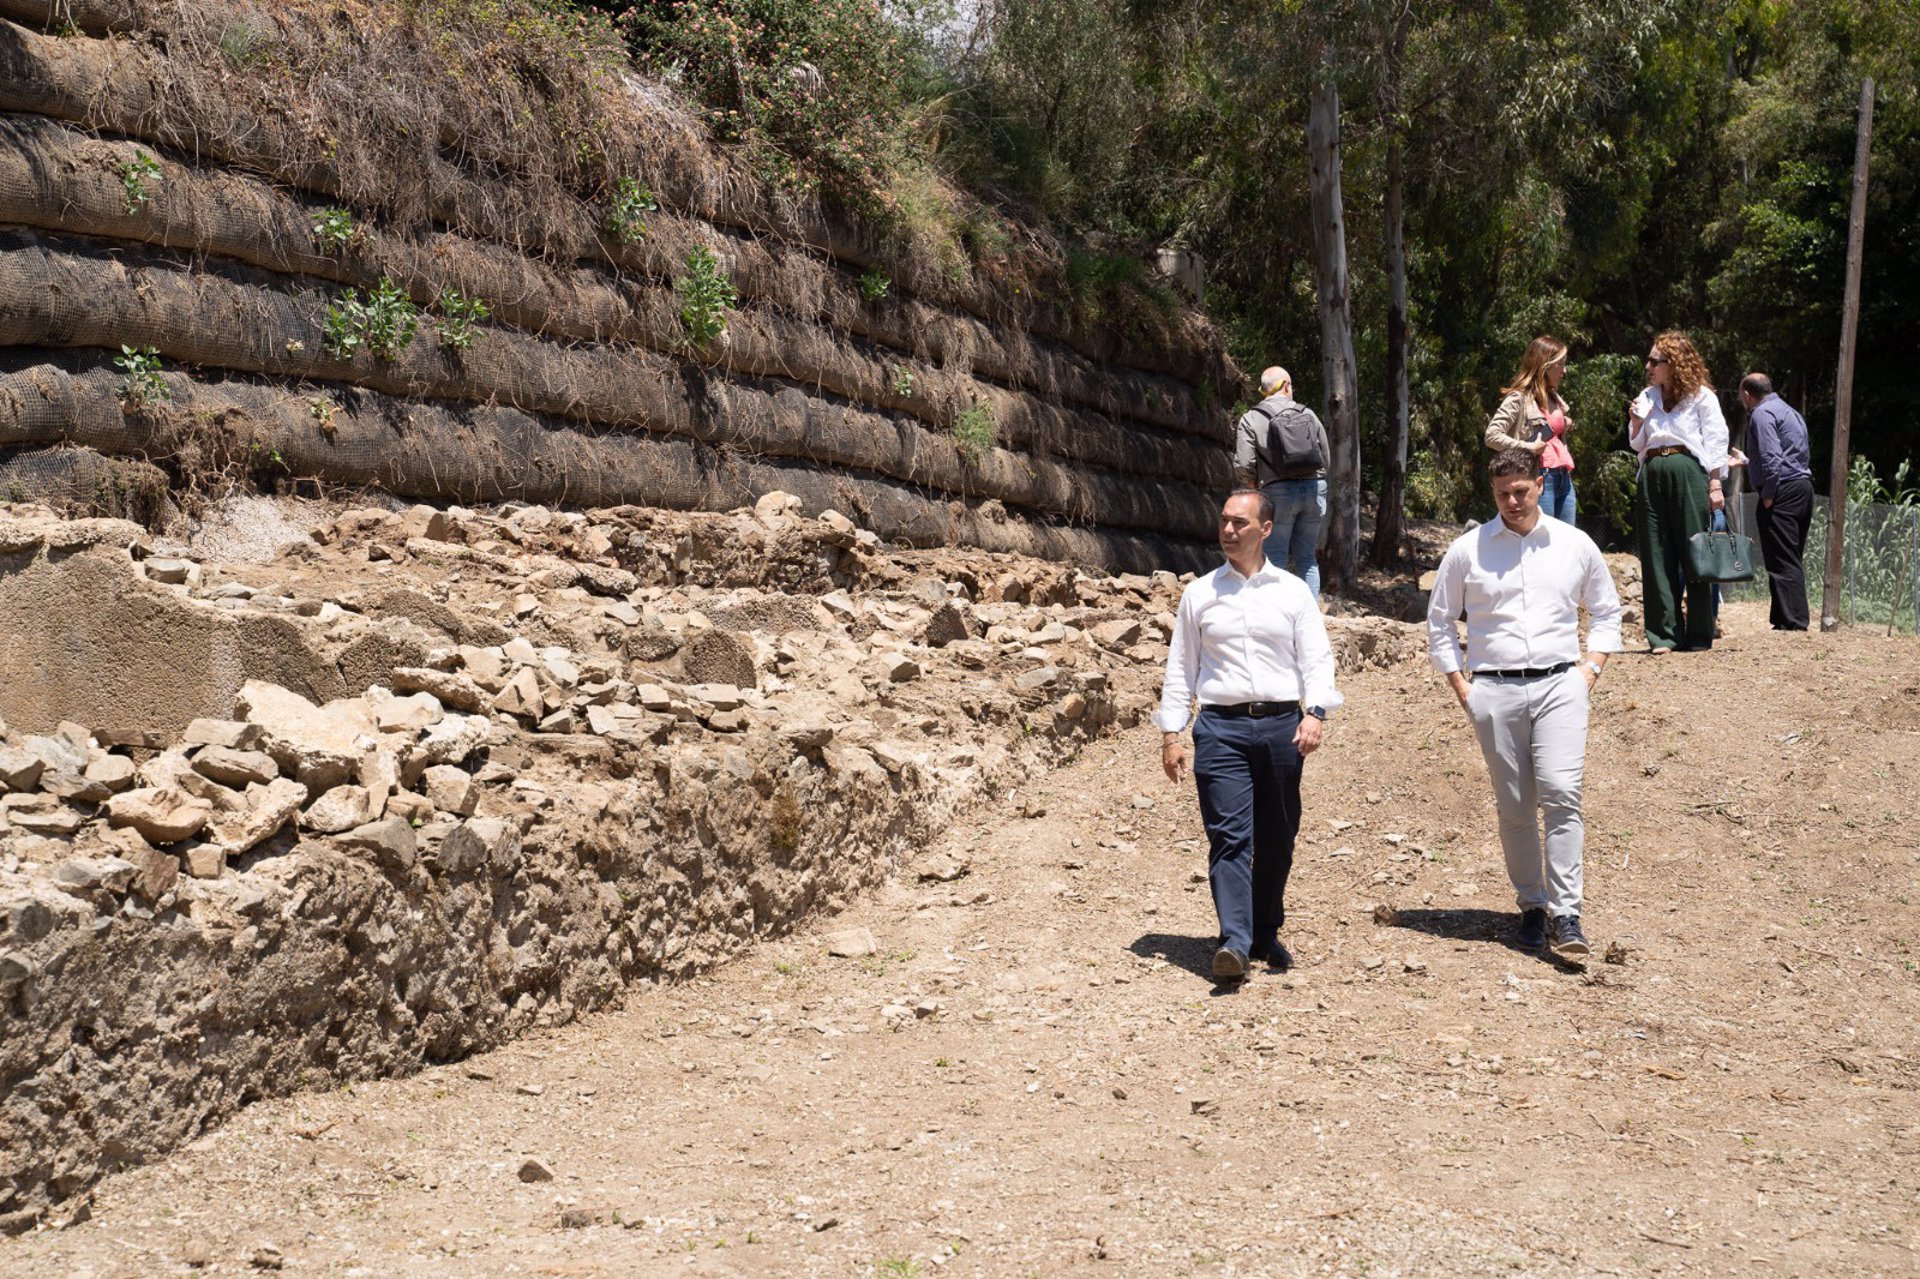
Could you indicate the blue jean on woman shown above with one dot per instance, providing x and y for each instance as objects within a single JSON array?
[
  {"x": 1557, "y": 498},
  {"x": 1299, "y": 509}
]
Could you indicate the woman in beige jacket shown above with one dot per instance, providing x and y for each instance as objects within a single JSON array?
[{"x": 1534, "y": 417}]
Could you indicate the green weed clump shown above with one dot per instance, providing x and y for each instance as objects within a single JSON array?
[
  {"x": 384, "y": 322},
  {"x": 137, "y": 177},
  {"x": 706, "y": 296},
  {"x": 334, "y": 230},
  {"x": 626, "y": 215},
  {"x": 458, "y": 314},
  {"x": 143, "y": 387},
  {"x": 975, "y": 431}
]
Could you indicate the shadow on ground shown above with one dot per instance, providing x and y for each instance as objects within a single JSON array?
[
  {"x": 1472, "y": 923},
  {"x": 1193, "y": 954}
]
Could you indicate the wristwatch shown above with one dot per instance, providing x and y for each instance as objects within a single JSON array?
[
  {"x": 1594, "y": 667},
  {"x": 1318, "y": 712}
]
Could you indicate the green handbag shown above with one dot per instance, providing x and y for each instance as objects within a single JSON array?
[{"x": 1721, "y": 557}]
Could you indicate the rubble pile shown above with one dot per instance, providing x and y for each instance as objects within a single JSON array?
[{"x": 566, "y": 752}]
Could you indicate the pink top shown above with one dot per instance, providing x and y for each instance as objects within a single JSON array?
[{"x": 1556, "y": 452}]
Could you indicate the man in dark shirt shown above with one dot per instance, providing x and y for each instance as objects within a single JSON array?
[{"x": 1777, "y": 465}]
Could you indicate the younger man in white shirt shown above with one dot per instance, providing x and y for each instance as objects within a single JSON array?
[{"x": 1521, "y": 580}]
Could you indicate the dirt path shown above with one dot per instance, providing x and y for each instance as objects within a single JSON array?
[{"x": 1032, "y": 1078}]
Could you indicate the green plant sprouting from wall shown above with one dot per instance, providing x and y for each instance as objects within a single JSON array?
[
  {"x": 333, "y": 230},
  {"x": 874, "y": 286},
  {"x": 458, "y": 314},
  {"x": 626, "y": 215},
  {"x": 975, "y": 431},
  {"x": 137, "y": 177},
  {"x": 143, "y": 387},
  {"x": 384, "y": 322},
  {"x": 706, "y": 296}
]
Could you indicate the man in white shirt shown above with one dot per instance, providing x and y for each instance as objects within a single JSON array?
[
  {"x": 1249, "y": 647},
  {"x": 1521, "y": 581}
]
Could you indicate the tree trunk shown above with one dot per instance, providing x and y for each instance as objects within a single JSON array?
[
  {"x": 1341, "y": 561},
  {"x": 1389, "y": 519}
]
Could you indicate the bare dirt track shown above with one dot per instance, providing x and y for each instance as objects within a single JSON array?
[{"x": 1030, "y": 1077}]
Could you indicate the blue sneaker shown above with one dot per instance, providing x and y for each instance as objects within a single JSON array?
[
  {"x": 1569, "y": 944},
  {"x": 1533, "y": 928}
]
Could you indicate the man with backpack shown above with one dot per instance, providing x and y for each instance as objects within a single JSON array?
[{"x": 1280, "y": 448}]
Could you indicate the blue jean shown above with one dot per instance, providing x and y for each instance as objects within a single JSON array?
[
  {"x": 1557, "y": 499},
  {"x": 1248, "y": 773},
  {"x": 1299, "y": 509}
]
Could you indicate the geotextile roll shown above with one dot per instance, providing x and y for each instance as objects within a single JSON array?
[
  {"x": 55, "y": 177},
  {"x": 70, "y": 293},
  {"x": 127, "y": 88},
  {"x": 483, "y": 453}
]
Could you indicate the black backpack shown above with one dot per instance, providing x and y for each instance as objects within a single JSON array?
[{"x": 1293, "y": 442}]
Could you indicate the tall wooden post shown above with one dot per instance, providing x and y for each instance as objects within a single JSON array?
[{"x": 1843, "y": 388}]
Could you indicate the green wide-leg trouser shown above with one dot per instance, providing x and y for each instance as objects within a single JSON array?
[{"x": 1670, "y": 508}]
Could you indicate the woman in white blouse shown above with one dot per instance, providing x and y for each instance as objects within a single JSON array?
[{"x": 1676, "y": 427}]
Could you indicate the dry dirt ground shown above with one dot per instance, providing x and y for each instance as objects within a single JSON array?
[{"x": 1032, "y": 1077}]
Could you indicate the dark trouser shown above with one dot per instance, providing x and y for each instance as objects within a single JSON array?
[
  {"x": 1671, "y": 507},
  {"x": 1783, "y": 544},
  {"x": 1248, "y": 772}
]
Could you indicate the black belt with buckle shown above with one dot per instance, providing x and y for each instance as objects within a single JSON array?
[
  {"x": 1528, "y": 672},
  {"x": 1253, "y": 710}
]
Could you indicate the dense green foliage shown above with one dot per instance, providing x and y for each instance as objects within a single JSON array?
[{"x": 1600, "y": 171}]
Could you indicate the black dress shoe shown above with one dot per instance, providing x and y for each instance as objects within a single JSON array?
[
  {"x": 1229, "y": 964},
  {"x": 1533, "y": 928},
  {"x": 1569, "y": 943},
  {"x": 1275, "y": 952}
]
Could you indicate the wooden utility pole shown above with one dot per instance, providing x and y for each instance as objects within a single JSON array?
[{"x": 1843, "y": 389}]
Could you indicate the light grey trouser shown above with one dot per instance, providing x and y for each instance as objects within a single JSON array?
[{"x": 1533, "y": 733}]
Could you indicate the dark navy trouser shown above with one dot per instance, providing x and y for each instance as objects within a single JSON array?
[{"x": 1248, "y": 772}]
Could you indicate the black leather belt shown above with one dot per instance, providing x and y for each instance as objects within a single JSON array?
[
  {"x": 1528, "y": 672},
  {"x": 1253, "y": 710}
]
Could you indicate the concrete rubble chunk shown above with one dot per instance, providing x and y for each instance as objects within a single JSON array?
[
  {"x": 774, "y": 505},
  {"x": 520, "y": 651},
  {"x": 337, "y": 810},
  {"x": 230, "y": 767},
  {"x": 453, "y": 790},
  {"x": 448, "y": 742},
  {"x": 170, "y": 572},
  {"x": 521, "y": 697},
  {"x": 840, "y": 530},
  {"x": 895, "y": 756},
  {"x": 949, "y": 623},
  {"x": 319, "y": 745},
  {"x": 85, "y": 874},
  {"x": 477, "y": 843},
  {"x": 205, "y": 861},
  {"x": 57, "y": 753},
  {"x": 230, "y": 733},
  {"x": 719, "y": 656},
  {"x": 74, "y": 787},
  {"x": 1122, "y": 633},
  {"x": 161, "y": 815},
  {"x": 487, "y": 667},
  {"x": 41, "y": 815},
  {"x": 421, "y": 696},
  {"x": 895, "y": 668},
  {"x": 391, "y": 840},
  {"x": 115, "y": 772},
  {"x": 560, "y": 665},
  {"x": 721, "y": 697},
  {"x": 270, "y": 808},
  {"x": 852, "y": 943},
  {"x": 19, "y": 770},
  {"x": 805, "y": 734}
]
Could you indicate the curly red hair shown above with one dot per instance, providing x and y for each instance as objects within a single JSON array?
[{"x": 1686, "y": 371}]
